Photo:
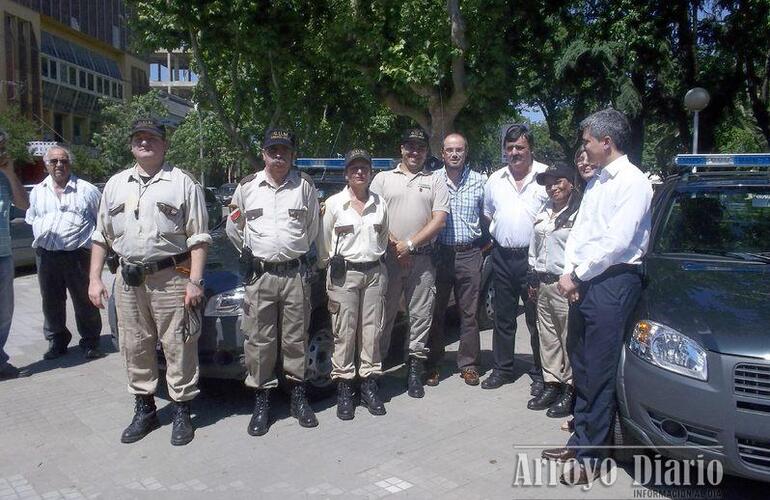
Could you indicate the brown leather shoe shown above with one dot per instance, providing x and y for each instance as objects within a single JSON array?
[
  {"x": 559, "y": 454},
  {"x": 432, "y": 377},
  {"x": 578, "y": 475},
  {"x": 470, "y": 375}
]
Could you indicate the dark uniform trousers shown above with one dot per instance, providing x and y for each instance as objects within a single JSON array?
[
  {"x": 461, "y": 272},
  {"x": 509, "y": 268},
  {"x": 596, "y": 327},
  {"x": 58, "y": 272}
]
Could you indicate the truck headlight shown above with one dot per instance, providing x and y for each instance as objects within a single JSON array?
[
  {"x": 665, "y": 347},
  {"x": 229, "y": 303}
]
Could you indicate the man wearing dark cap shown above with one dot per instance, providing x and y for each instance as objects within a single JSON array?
[
  {"x": 512, "y": 199},
  {"x": 153, "y": 216},
  {"x": 273, "y": 220},
  {"x": 418, "y": 202},
  {"x": 353, "y": 241}
]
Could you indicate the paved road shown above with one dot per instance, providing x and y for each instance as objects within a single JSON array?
[{"x": 60, "y": 429}]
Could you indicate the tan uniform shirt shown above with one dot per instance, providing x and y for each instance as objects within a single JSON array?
[
  {"x": 278, "y": 223},
  {"x": 358, "y": 238},
  {"x": 411, "y": 199},
  {"x": 546, "y": 250},
  {"x": 149, "y": 222}
]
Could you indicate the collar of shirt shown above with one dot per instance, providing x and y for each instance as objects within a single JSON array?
[
  {"x": 164, "y": 174},
  {"x": 352, "y": 196},
  {"x": 615, "y": 166},
  {"x": 534, "y": 169},
  {"x": 291, "y": 178},
  {"x": 463, "y": 177},
  {"x": 70, "y": 186},
  {"x": 405, "y": 171}
]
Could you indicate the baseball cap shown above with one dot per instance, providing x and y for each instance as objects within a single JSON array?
[
  {"x": 558, "y": 171},
  {"x": 357, "y": 154},
  {"x": 276, "y": 136},
  {"x": 414, "y": 135},
  {"x": 149, "y": 125}
]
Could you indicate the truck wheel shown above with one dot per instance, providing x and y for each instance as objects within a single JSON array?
[
  {"x": 486, "y": 307},
  {"x": 319, "y": 362}
]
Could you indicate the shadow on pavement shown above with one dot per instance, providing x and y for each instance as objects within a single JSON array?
[{"x": 74, "y": 356}]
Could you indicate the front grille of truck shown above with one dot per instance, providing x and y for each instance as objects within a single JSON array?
[
  {"x": 752, "y": 380},
  {"x": 753, "y": 452}
]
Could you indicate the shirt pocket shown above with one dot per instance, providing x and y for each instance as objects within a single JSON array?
[
  {"x": 169, "y": 218},
  {"x": 297, "y": 221},
  {"x": 118, "y": 219}
]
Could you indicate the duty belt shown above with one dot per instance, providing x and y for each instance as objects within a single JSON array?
[
  {"x": 159, "y": 265},
  {"x": 514, "y": 251},
  {"x": 362, "y": 267},
  {"x": 547, "y": 278},
  {"x": 277, "y": 267},
  {"x": 459, "y": 248}
]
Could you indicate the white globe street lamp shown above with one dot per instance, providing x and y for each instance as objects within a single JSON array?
[{"x": 696, "y": 100}]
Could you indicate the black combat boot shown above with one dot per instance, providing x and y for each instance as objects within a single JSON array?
[
  {"x": 300, "y": 408},
  {"x": 563, "y": 406},
  {"x": 182, "y": 431},
  {"x": 414, "y": 378},
  {"x": 536, "y": 387},
  {"x": 369, "y": 397},
  {"x": 546, "y": 398},
  {"x": 260, "y": 418},
  {"x": 346, "y": 408},
  {"x": 145, "y": 420}
]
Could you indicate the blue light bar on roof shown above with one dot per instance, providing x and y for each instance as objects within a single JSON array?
[
  {"x": 751, "y": 160},
  {"x": 339, "y": 163}
]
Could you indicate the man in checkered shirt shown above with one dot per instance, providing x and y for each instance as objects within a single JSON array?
[{"x": 458, "y": 263}]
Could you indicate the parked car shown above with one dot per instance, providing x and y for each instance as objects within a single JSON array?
[
  {"x": 213, "y": 208},
  {"x": 21, "y": 239},
  {"x": 226, "y": 192},
  {"x": 694, "y": 374}
]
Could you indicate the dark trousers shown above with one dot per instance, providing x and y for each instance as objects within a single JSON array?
[
  {"x": 461, "y": 272},
  {"x": 596, "y": 328},
  {"x": 509, "y": 270},
  {"x": 58, "y": 272}
]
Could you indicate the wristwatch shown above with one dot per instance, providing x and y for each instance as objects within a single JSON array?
[
  {"x": 574, "y": 278},
  {"x": 410, "y": 246},
  {"x": 199, "y": 283}
]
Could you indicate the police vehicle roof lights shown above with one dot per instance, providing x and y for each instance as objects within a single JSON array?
[
  {"x": 339, "y": 163},
  {"x": 722, "y": 162}
]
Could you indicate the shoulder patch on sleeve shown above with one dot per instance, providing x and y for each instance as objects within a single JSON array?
[{"x": 247, "y": 179}]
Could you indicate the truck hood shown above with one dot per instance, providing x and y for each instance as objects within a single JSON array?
[{"x": 724, "y": 305}]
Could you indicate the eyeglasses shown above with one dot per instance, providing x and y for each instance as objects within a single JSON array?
[{"x": 54, "y": 161}]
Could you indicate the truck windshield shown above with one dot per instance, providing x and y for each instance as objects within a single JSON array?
[{"x": 719, "y": 221}]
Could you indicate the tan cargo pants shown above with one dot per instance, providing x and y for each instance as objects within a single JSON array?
[
  {"x": 417, "y": 283},
  {"x": 276, "y": 311},
  {"x": 151, "y": 312},
  {"x": 552, "y": 312},
  {"x": 357, "y": 312}
]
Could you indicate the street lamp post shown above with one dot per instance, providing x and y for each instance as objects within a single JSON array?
[{"x": 696, "y": 100}]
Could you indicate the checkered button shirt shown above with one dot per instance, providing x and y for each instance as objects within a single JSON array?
[{"x": 466, "y": 201}]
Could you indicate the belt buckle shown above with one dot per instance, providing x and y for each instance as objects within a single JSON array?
[{"x": 150, "y": 267}]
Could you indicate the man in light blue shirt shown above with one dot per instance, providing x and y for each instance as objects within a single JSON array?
[
  {"x": 458, "y": 261},
  {"x": 11, "y": 190},
  {"x": 62, "y": 213}
]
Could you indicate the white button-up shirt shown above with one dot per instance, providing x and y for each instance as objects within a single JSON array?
[
  {"x": 65, "y": 223},
  {"x": 613, "y": 224},
  {"x": 546, "y": 251},
  {"x": 511, "y": 211},
  {"x": 358, "y": 238}
]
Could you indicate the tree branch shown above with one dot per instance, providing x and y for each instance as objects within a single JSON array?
[
  {"x": 276, "y": 90},
  {"x": 398, "y": 107}
]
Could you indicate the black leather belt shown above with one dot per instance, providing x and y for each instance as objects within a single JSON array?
[
  {"x": 460, "y": 248},
  {"x": 547, "y": 278},
  {"x": 514, "y": 251},
  {"x": 423, "y": 250},
  {"x": 279, "y": 267},
  {"x": 362, "y": 267},
  {"x": 159, "y": 265}
]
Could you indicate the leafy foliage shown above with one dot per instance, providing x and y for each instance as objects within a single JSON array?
[{"x": 20, "y": 130}]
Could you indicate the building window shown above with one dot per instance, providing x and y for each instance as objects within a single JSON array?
[
  {"x": 54, "y": 69},
  {"x": 73, "y": 76},
  {"x": 82, "y": 79},
  {"x": 90, "y": 81},
  {"x": 120, "y": 91},
  {"x": 44, "y": 66},
  {"x": 114, "y": 89},
  {"x": 99, "y": 87}
]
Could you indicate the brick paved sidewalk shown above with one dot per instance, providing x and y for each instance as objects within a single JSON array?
[{"x": 60, "y": 430}]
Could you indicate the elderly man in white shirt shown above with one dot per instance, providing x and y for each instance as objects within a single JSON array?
[
  {"x": 602, "y": 282},
  {"x": 62, "y": 212},
  {"x": 512, "y": 199}
]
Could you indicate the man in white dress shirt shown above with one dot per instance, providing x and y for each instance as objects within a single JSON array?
[
  {"x": 602, "y": 282},
  {"x": 512, "y": 199},
  {"x": 62, "y": 212}
]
